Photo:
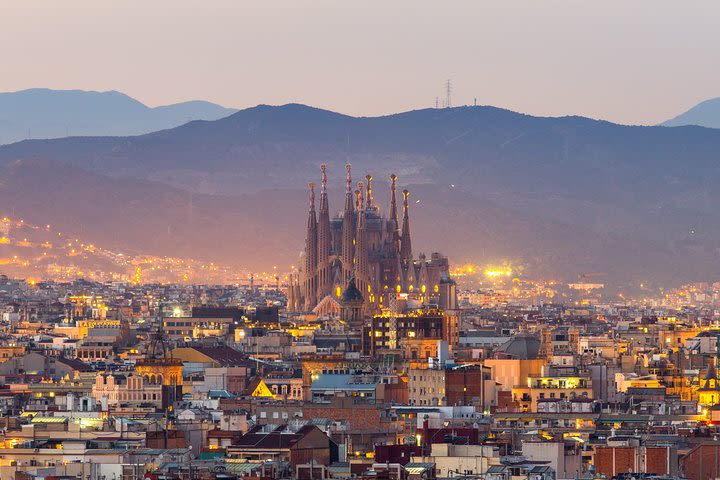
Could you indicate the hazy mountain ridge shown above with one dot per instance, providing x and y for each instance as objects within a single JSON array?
[
  {"x": 704, "y": 114},
  {"x": 564, "y": 195},
  {"x": 44, "y": 113}
]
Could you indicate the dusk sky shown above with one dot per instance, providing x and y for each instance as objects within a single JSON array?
[{"x": 630, "y": 62}]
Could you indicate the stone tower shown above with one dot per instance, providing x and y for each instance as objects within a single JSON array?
[{"x": 311, "y": 251}]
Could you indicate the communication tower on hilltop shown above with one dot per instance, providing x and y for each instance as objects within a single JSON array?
[{"x": 448, "y": 94}]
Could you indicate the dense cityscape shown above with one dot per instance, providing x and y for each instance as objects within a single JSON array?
[
  {"x": 368, "y": 361},
  {"x": 357, "y": 240}
]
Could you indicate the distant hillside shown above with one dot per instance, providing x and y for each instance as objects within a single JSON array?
[
  {"x": 705, "y": 114},
  {"x": 44, "y": 113},
  {"x": 561, "y": 195}
]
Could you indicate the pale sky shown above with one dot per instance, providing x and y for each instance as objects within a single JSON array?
[{"x": 639, "y": 61}]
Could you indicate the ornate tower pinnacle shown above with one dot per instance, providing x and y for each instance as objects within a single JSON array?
[
  {"x": 369, "y": 191},
  {"x": 348, "y": 178},
  {"x": 348, "y": 227},
  {"x": 361, "y": 196},
  {"x": 323, "y": 179},
  {"x": 393, "y": 201},
  {"x": 311, "y": 251},
  {"x": 405, "y": 246},
  {"x": 361, "y": 250},
  {"x": 324, "y": 282}
]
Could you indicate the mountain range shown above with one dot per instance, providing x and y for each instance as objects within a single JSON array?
[
  {"x": 554, "y": 196},
  {"x": 45, "y": 113}
]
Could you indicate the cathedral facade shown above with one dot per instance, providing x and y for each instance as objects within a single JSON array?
[{"x": 373, "y": 249}]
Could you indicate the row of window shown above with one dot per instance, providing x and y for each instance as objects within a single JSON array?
[
  {"x": 186, "y": 333},
  {"x": 283, "y": 415},
  {"x": 85, "y": 354},
  {"x": 283, "y": 390},
  {"x": 425, "y": 391},
  {"x": 546, "y": 423},
  {"x": 562, "y": 395}
]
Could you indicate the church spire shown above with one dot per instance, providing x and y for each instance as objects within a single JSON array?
[
  {"x": 323, "y": 184},
  {"x": 311, "y": 248},
  {"x": 348, "y": 187},
  {"x": 393, "y": 202},
  {"x": 361, "y": 196},
  {"x": 405, "y": 246},
  {"x": 324, "y": 239},
  {"x": 311, "y": 210},
  {"x": 361, "y": 254},
  {"x": 348, "y": 227},
  {"x": 369, "y": 191}
]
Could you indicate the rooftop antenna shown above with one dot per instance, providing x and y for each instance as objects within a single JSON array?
[
  {"x": 448, "y": 92},
  {"x": 437, "y": 102}
]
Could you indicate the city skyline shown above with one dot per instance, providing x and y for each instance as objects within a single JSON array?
[
  {"x": 624, "y": 63},
  {"x": 405, "y": 254}
]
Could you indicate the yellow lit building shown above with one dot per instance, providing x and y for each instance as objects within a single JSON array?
[
  {"x": 677, "y": 337},
  {"x": 624, "y": 382},
  {"x": 709, "y": 391},
  {"x": 551, "y": 387},
  {"x": 159, "y": 366},
  {"x": 414, "y": 332}
]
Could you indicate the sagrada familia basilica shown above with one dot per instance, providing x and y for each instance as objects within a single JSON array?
[{"x": 366, "y": 250}]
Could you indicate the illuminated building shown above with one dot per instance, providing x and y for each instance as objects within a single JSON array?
[
  {"x": 463, "y": 384},
  {"x": 127, "y": 390},
  {"x": 159, "y": 366},
  {"x": 95, "y": 350},
  {"x": 426, "y": 386},
  {"x": 258, "y": 388},
  {"x": 413, "y": 333},
  {"x": 287, "y": 385},
  {"x": 87, "y": 306},
  {"x": 558, "y": 340},
  {"x": 351, "y": 305},
  {"x": 709, "y": 391},
  {"x": 540, "y": 387},
  {"x": 377, "y": 250},
  {"x": 186, "y": 328}
]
